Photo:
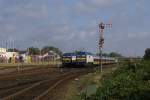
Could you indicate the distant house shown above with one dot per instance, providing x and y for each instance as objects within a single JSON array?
[
  {"x": 3, "y": 55},
  {"x": 3, "y": 50},
  {"x": 12, "y": 54},
  {"x": 8, "y": 56},
  {"x": 23, "y": 56},
  {"x": 51, "y": 56},
  {"x": 12, "y": 57}
]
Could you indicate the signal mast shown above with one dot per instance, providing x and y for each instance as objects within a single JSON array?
[{"x": 101, "y": 40}]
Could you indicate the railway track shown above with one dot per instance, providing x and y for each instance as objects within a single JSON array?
[
  {"x": 38, "y": 89},
  {"x": 47, "y": 94},
  {"x": 26, "y": 72},
  {"x": 16, "y": 82}
]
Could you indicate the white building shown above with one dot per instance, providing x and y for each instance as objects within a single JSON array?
[
  {"x": 12, "y": 54},
  {"x": 3, "y": 55},
  {"x": 51, "y": 55},
  {"x": 3, "y": 50}
]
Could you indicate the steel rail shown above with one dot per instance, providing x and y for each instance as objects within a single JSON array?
[{"x": 33, "y": 86}]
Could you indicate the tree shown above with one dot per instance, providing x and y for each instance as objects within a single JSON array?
[
  {"x": 33, "y": 51},
  {"x": 147, "y": 54},
  {"x": 114, "y": 54},
  {"x": 51, "y": 48},
  {"x": 105, "y": 54},
  {"x": 13, "y": 50}
]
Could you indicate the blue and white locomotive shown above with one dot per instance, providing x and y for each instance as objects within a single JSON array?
[
  {"x": 84, "y": 59},
  {"x": 68, "y": 59}
]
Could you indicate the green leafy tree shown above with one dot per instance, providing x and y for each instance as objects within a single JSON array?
[
  {"x": 147, "y": 54},
  {"x": 51, "y": 48},
  {"x": 105, "y": 54},
  {"x": 33, "y": 51},
  {"x": 114, "y": 54},
  {"x": 13, "y": 50}
]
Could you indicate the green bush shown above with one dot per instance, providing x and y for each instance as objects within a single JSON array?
[{"x": 130, "y": 82}]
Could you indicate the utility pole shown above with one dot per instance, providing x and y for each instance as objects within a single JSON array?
[
  {"x": 7, "y": 45},
  {"x": 101, "y": 41}
]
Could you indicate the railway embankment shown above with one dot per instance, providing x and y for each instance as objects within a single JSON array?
[
  {"x": 130, "y": 81},
  {"x": 86, "y": 83}
]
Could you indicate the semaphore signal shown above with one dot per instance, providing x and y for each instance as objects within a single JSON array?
[{"x": 102, "y": 26}]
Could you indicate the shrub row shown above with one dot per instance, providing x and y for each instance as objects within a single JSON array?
[{"x": 129, "y": 82}]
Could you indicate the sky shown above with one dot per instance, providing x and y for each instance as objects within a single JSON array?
[{"x": 73, "y": 24}]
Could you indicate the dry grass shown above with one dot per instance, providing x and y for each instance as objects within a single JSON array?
[{"x": 77, "y": 86}]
